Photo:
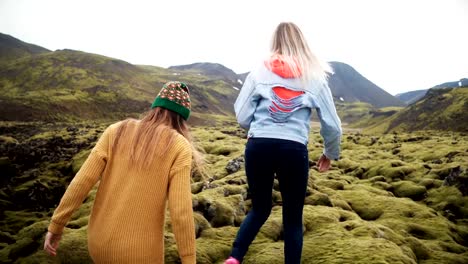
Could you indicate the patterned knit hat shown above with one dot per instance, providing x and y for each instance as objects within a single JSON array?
[{"x": 174, "y": 96}]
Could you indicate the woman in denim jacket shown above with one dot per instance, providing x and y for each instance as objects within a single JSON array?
[{"x": 275, "y": 106}]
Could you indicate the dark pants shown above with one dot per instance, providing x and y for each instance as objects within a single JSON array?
[{"x": 265, "y": 157}]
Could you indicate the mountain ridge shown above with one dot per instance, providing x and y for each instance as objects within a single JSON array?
[
  {"x": 348, "y": 84},
  {"x": 413, "y": 96},
  {"x": 12, "y": 48},
  {"x": 67, "y": 84}
]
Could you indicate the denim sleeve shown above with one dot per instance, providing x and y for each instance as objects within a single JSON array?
[
  {"x": 246, "y": 103},
  {"x": 330, "y": 123}
]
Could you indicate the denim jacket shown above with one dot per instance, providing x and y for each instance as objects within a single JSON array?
[{"x": 270, "y": 106}]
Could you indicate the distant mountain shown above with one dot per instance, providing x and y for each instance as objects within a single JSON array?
[
  {"x": 414, "y": 96},
  {"x": 12, "y": 48},
  {"x": 439, "y": 109},
  {"x": 348, "y": 85},
  {"x": 213, "y": 70},
  {"x": 411, "y": 97},
  {"x": 462, "y": 82}
]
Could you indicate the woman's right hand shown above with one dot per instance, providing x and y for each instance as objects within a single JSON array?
[
  {"x": 51, "y": 243},
  {"x": 323, "y": 163}
]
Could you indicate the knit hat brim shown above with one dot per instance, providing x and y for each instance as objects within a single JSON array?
[{"x": 170, "y": 105}]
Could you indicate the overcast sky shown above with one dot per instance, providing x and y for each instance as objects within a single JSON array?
[{"x": 400, "y": 45}]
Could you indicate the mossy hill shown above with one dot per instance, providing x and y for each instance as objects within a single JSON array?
[
  {"x": 440, "y": 109},
  {"x": 354, "y": 113},
  {"x": 70, "y": 85},
  {"x": 395, "y": 198}
]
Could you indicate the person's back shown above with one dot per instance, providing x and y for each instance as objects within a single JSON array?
[
  {"x": 275, "y": 106},
  {"x": 278, "y": 106},
  {"x": 140, "y": 164},
  {"x": 128, "y": 212}
]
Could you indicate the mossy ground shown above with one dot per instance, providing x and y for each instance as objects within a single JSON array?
[{"x": 388, "y": 200}]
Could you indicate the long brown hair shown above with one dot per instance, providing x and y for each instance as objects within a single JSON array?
[
  {"x": 289, "y": 41},
  {"x": 152, "y": 128}
]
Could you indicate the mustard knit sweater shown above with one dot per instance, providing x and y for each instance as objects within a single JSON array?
[{"x": 127, "y": 220}]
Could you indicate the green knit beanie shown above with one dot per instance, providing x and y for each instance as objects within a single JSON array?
[{"x": 174, "y": 96}]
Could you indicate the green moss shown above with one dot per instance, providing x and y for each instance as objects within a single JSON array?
[
  {"x": 7, "y": 139},
  {"x": 351, "y": 213},
  {"x": 201, "y": 223},
  {"x": 431, "y": 183},
  {"x": 79, "y": 159},
  {"x": 321, "y": 218},
  {"x": 420, "y": 250},
  {"x": 15, "y": 221},
  {"x": 341, "y": 204},
  {"x": 332, "y": 184},
  {"x": 214, "y": 245},
  {"x": 392, "y": 170},
  {"x": 409, "y": 189},
  {"x": 22, "y": 248},
  {"x": 329, "y": 249},
  {"x": 449, "y": 200},
  {"x": 377, "y": 179},
  {"x": 78, "y": 223},
  {"x": 74, "y": 247},
  {"x": 273, "y": 227},
  {"x": 318, "y": 198},
  {"x": 265, "y": 253},
  {"x": 383, "y": 185},
  {"x": 34, "y": 231},
  {"x": 219, "y": 149}
]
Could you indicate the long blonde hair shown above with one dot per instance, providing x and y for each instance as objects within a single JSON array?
[
  {"x": 289, "y": 41},
  {"x": 152, "y": 128}
]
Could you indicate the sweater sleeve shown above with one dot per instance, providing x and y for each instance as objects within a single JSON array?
[
  {"x": 246, "y": 103},
  {"x": 79, "y": 187},
  {"x": 330, "y": 123},
  {"x": 180, "y": 204}
]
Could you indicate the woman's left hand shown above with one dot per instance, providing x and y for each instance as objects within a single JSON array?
[{"x": 51, "y": 243}]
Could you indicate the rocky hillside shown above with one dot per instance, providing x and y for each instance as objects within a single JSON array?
[
  {"x": 440, "y": 109},
  {"x": 349, "y": 85},
  {"x": 413, "y": 96},
  {"x": 12, "y": 48},
  {"x": 395, "y": 198}
]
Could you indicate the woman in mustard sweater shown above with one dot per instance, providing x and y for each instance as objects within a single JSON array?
[{"x": 140, "y": 164}]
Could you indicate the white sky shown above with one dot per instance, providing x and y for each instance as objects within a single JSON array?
[{"x": 400, "y": 45}]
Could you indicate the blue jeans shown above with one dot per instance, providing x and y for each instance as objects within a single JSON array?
[{"x": 265, "y": 157}]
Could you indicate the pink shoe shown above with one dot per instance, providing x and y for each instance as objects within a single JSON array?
[{"x": 231, "y": 260}]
